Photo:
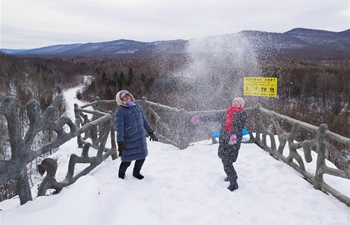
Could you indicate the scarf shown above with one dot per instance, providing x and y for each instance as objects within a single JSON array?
[{"x": 230, "y": 117}]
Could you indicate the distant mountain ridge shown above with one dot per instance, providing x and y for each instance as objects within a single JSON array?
[{"x": 296, "y": 39}]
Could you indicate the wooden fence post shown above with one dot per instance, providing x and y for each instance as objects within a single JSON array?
[
  {"x": 321, "y": 139},
  {"x": 183, "y": 140}
]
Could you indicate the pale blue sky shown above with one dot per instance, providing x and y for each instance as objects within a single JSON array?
[{"x": 39, "y": 23}]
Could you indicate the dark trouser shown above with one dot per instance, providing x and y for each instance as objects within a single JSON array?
[
  {"x": 124, "y": 166},
  {"x": 138, "y": 166},
  {"x": 229, "y": 170}
]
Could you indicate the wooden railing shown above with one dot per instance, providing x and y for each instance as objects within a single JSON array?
[
  {"x": 292, "y": 135},
  {"x": 278, "y": 134},
  {"x": 21, "y": 148},
  {"x": 173, "y": 126}
]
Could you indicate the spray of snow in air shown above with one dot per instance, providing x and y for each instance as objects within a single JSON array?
[{"x": 214, "y": 73}]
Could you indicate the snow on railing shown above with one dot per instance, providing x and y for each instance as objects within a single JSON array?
[
  {"x": 173, "y": 126},
  {"x": 294, "y": 147},
  {"x": 297, "y": 146},
  {"x": 22, "y": 152},
  {"x": 97, "y": 129}
]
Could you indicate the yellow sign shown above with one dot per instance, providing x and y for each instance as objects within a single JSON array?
[{"x": 260, "y": 86}]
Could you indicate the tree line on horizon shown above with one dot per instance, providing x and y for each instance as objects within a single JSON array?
[{"x": 311, "y": 90}]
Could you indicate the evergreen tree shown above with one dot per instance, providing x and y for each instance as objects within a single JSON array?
[
  {"x": 130, "y": 77},
  {"x": 121, "y": 80}
]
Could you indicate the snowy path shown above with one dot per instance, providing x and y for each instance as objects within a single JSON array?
[{"x": 183, "y": 187}]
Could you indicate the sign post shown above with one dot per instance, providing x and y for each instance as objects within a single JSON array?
[{"x": 260, "y": 86}]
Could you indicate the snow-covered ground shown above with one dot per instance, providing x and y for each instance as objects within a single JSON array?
[{"x": 181, "y": 187}]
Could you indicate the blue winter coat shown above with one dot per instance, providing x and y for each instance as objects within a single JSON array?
[{"x": 131, "y": 124}]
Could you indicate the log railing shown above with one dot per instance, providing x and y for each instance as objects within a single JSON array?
[
  {"x": 292, "y": 135},
  {"x": 295, "y": 143},
  {"x": 173, "y": 126},
  {"x": 278, "y": 134},
  {"x": 21, "y": 147}
]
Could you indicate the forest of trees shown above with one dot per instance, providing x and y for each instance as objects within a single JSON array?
[
  {"x": 313, "y": 90},
  {"x": 309, "y": 90}
]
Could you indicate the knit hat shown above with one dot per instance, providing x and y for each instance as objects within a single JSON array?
[{"x": 240, "y": 101}]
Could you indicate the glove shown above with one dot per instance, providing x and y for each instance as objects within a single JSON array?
[
  {"x": 152, "y": 136},
  {"x": 121, "y": 148},
  {"x": 196, "y": 119},
  {"x": 233, "y": 139}
]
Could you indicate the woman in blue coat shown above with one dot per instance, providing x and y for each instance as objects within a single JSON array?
[{"x": 130, "y": 125}]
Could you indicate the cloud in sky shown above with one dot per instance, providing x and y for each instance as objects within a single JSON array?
[{"x": 39, "y": 23}]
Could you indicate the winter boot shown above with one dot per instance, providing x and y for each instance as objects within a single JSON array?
[
  {"x": 233, "y": 186},
  {"x": 137, "y": 169},
  {"x": 122, "y": 169}
]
